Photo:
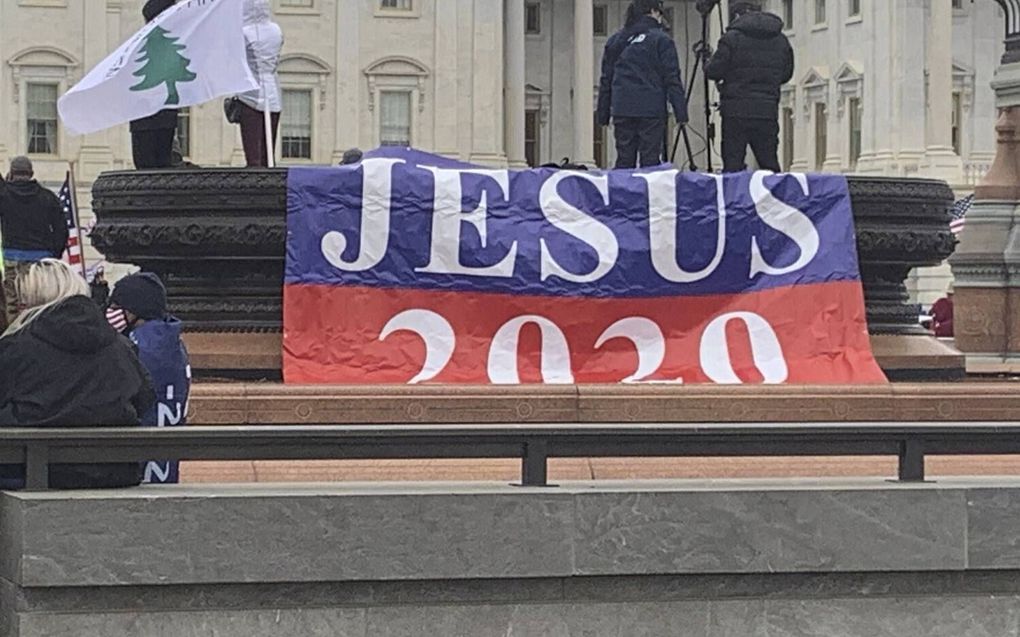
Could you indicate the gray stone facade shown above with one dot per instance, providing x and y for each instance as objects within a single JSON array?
[{"x": 861, "y": 557}]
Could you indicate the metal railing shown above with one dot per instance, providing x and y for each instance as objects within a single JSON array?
[{"x": 37, "y": 449}]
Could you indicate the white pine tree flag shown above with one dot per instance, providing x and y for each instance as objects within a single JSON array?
[{"x": 191, "y": 53}]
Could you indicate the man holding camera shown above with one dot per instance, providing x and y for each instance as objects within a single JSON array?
[
  {"x": 753, "y": 61},
  {"x": 640, "y": 73}
]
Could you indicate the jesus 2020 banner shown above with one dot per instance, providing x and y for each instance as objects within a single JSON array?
[{"x": 410, "y": 268}]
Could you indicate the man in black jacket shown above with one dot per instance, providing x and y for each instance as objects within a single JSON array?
[
  {"x": 33, "y": 226},
  {"x": 753, "y": 61},
  {"x": 640, "y": 74},
  {"x": 152, "y": 137}
]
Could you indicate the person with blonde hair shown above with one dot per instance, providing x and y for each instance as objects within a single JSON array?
[{"x": 65, "y": 366}]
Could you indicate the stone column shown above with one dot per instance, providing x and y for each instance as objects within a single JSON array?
[
  {"x": 6, "y": 129},
  {"x": 487, "y": 142},
  {"x": 447, "y": 90},
  {"x": 349, "y": 80},
  {"x": 584, "y": 83},
  {"x": 514, "y": 65},
  {"x": 987, "y": 261},
  {"x": 941, "y": 160},
  {"x": 95, "y": 154}
]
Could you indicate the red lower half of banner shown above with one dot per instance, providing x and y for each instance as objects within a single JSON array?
[{"x": 801, "y": 334}]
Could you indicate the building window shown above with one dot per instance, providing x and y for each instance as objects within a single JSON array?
[
  {"x": 395, "y": 118},
  {"x": 788, "y": 13},
  {"x": 820, "y": 11},
  {"x": 296, "y": 125},
  {"x": 599, "y": 140},
  {"x": 303, "y": 4},
  {"x": 533, "y": 18},
  {"x": 958, "y": 4},
  {"x": 396, "y": 5},
  {"x": 184, "y": 131},
  {"x": 853, "y": 8},
  {"x": 854, "y": 107},
  {"x": 788, "y": 138},
  {"x": 600, "y": 14},
  {"x": 821, "y": 134},
  {"x": 957, "y": 123},
  {"x": 532, "y": 131},
  {"x": 41, "y": 118}
]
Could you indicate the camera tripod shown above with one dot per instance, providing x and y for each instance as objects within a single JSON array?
[{"x": 701, "y": 56}]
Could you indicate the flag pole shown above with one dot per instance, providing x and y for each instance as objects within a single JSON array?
[
  {"x": 73, "y": 187},
  {"x": 267, "y": 118},
  {"x": 268, "y": 126}
]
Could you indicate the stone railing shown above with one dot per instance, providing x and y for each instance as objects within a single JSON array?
[{"x": 974, "y": 172}]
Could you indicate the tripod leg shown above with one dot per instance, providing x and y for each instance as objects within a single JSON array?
[
  {"x": 690, "y": 153},
  {"x": 709, "y": 124}
]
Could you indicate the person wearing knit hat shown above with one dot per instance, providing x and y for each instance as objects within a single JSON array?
[
  {"x": 138, "y": 308},
  {"x": 142, "y": 296}
]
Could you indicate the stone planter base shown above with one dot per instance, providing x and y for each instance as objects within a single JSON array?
[
  {"x": 217, "y": 238},
  {"x": 917, "y": 357}
]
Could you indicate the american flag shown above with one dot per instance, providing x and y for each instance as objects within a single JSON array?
[
  {"x": 116, "y": 318},
  {"x": 72, "y": 254},
  {"x": 958, "y": 215}
]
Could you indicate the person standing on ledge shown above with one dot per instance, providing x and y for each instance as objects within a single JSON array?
[
  {"x": 640, "y": 74},
  {"x": 264, "y": 40},
  {"x": 33, "y": 226},
  {"x": 754, "y": 59},
  {"x": 152, "y": 137}
]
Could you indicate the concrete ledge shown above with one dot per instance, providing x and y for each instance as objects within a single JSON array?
[
  {"x": 271, "y": 403},
  {"x": 839, "y": 557},
  {"x": 428, "y": 532}
]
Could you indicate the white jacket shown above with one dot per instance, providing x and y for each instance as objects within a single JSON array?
[{"x": 264, "y": 40}]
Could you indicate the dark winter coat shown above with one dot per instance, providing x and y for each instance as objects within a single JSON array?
[
  {"x": 640, "y": 74},
  {"x": 69, "y": 368},
  {"x": 165, "y": 358},
  {"x": 753, "y": 61},
  {"x": 166, "y": 118},
  {"x": 31, "y": 218}
]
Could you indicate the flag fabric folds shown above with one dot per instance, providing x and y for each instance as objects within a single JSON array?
[
  {"x": 409, "y": 268},
  {"x": 958, "y": 215},
  {"x": 72, "y": 254},
  {"x": 192, "y": 53}
]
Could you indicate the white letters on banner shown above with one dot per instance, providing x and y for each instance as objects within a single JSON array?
[
  {"x": 662, "y": 227},
  {"x": 377, "y": 183},
  {"x": 576, "y": 223},
  {"x": 447, "y": 218},
  {"x": 434, "y": 330},
  {"x": 786, "y": 219},
  {"x": 647, "y": 339},
  {"x": 555, "y": 352},
  {"x": 448, "y": 215},
  {"x": 765, "y": 350},
  {"x": 440, "y": 342}
]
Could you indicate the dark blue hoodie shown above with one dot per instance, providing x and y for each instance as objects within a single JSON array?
[
  {"x": 164, "y": 356},
  {"x": 640, "y": 74}
]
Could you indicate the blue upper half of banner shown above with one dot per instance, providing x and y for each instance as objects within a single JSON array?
[{"x": 407, "y": 219}]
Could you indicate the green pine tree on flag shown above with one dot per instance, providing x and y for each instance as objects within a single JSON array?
[{"x": 162, "y": 64}]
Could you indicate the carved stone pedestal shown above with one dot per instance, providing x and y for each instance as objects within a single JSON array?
[
  {"x": 217, "y": 239},
  {"x": 987, "y": 263},
  {"x": 902, "y": 224}
]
